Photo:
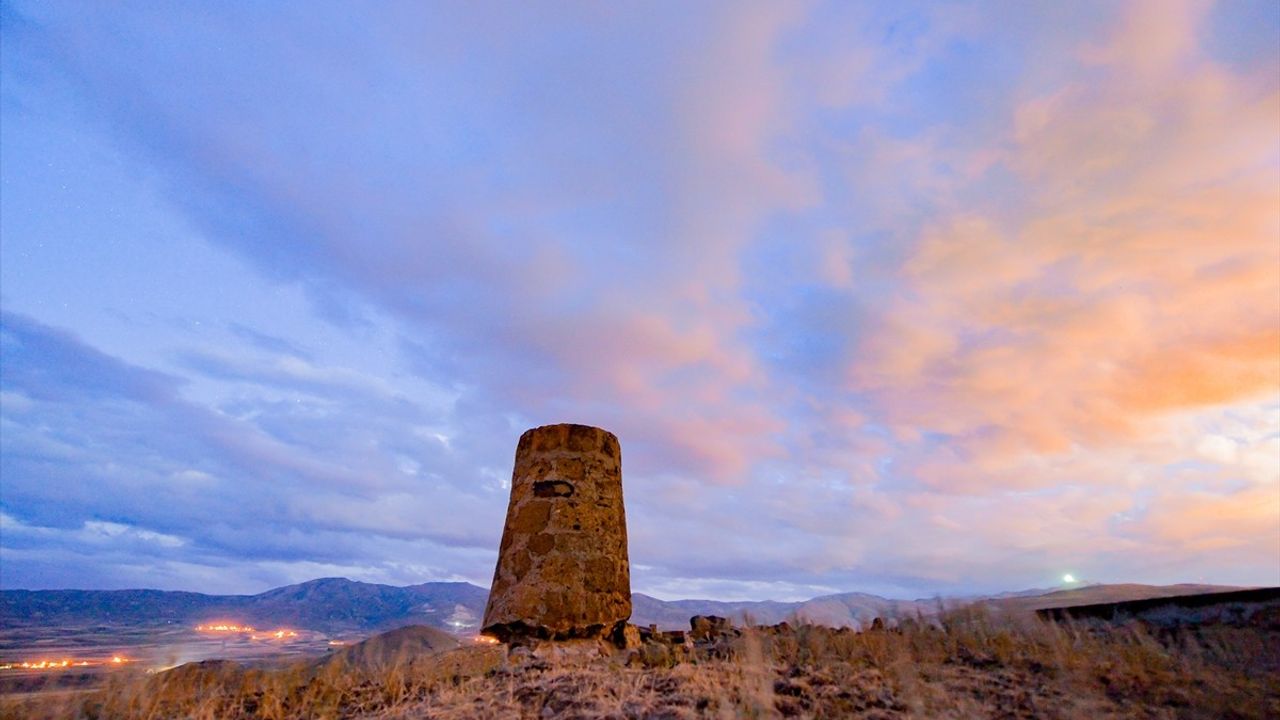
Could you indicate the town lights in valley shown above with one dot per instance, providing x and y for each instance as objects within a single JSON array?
[
  {"x": 45, "y": 665},
  {"x": 275, "y": 635},
  {"x": 65, "y": 664},
  {"x": 224, "y": 628}
]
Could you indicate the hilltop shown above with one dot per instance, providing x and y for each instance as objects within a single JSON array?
[
  {"x": 339, "y": 605},
  {"x": 972, "y": 663}
]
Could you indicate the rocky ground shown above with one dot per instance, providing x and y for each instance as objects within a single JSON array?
[{"x": 970, "y": 665}]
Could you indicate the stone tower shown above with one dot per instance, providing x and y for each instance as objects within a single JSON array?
[{"x": 562, "y": 568}]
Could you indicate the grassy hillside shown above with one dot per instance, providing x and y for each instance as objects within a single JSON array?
[{"x": 975, "y": 665}]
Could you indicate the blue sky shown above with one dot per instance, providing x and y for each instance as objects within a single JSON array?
[{"x": 900, "y": 298}]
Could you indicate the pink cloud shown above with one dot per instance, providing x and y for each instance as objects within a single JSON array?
[{"x": 1137, "y": 278}]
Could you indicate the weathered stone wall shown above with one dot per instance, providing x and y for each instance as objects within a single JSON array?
[{"x": 562, "y": 568}]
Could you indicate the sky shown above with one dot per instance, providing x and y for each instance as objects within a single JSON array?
[{"x": 911, "y": 299}]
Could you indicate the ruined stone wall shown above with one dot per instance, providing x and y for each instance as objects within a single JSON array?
[{"x": 562, "y": 568}]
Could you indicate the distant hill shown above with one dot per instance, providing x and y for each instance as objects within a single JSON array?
[
  {"x": 859, "y": 609},
  {"x": 338, "y": 605},
  {"x": 1094, "y": 594},
  {"x": 847, "y": 609},
  {"x": 327, "y": 604},
  {"x": 646, "y": 610},
  {"x": 385, "y": 649}
]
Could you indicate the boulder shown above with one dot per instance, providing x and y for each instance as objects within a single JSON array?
[
  {"x": 627, "y": 636},
  {"x": 706, "y": 627}
]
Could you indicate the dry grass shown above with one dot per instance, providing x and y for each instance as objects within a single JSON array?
[{"x": 972, "y": 666}]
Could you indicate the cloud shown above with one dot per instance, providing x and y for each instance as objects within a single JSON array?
[
  {"x": 267, "y": 342},
  {"x": 642, "y": 316},
  {"x": 904, "y": 298},
  {"x": 1136, "y": 278},
  {"x": 91, "y": 533},
  {"x": 132, "y": 465}
]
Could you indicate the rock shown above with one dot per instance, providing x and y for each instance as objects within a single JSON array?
[
  {"x": 654, "y": 654},
  {"x": 577, "y": 651},
  {"x": 627, "y": 636},
  {"x": 705, "y": 627},
  {"x": 673, "y": 637},
  {"x": 562, "y": 567}
]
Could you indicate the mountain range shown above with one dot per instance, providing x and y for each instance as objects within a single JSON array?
[{"x": 339, "y": 605}]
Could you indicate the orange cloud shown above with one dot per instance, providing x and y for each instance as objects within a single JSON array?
[
  {"x": 1194, "y": 522},
  {"x": 1138, "y": 276}
]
